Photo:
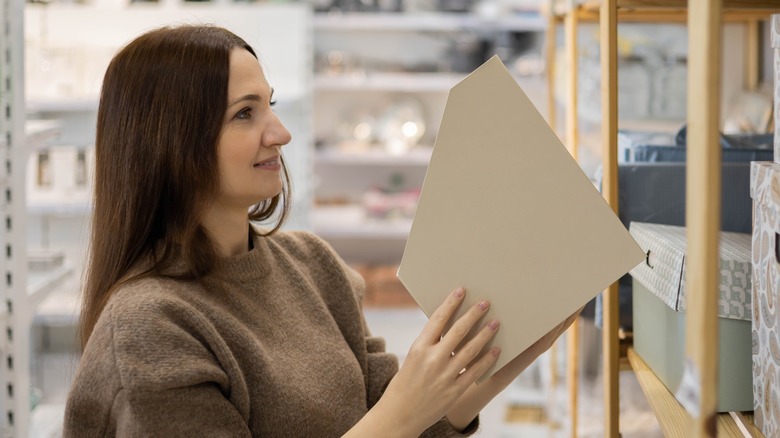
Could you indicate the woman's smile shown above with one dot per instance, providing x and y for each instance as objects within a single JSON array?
[{"x": 272, "y": 163}]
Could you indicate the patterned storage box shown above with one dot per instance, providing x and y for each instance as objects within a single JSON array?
[
  {"x": 776, "y": 49},
  {"x": 660, "y": 303},
  {"x": 765, "y": 191}
]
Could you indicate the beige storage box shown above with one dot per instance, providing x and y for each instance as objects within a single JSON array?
[
  {"x": 765, "y": 191},
  {"x": 659, "y": 306}
]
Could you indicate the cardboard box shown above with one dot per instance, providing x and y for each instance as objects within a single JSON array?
[
  {"x": 765, "y": 191},
  {"x": 660, "y": 303},
  {"x": 776, "y": 50}
]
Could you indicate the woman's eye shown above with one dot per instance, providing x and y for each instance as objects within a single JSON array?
[
  {"x": 272, "y": 103},
  {"x": 245, "y": 113}
]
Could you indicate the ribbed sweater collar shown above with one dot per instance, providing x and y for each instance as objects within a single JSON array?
[{"x": 246, "y": 267}]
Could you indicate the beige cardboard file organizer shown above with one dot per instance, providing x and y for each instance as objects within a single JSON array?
[
  {"x": 507, "y": 213},
  {"x": 765, "y": 190}
]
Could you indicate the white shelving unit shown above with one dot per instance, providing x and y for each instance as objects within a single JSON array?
[
  {"x": 418, "y": 156},
  {"x": 65, "y": 64},
  {"x": 391, "y": 82},
  {"x": 427, "y": 22},
  {"x": 379, "y": 61},
  {"x": 16, "y": 315}
]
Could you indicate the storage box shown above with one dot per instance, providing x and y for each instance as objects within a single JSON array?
[
  {"x": 660, "y": 303},
  {"x": 776, "y": 49},
  {"x": 765, "y": 190}
]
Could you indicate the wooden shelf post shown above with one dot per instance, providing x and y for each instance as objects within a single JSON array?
[
  {"x": 609, "y": 126},
  {"x": 550, "y": 45},
  {"x": 703, "y": 215},
  {"x": 571, "y": 23}
]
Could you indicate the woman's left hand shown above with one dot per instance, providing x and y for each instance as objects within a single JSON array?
[{"x": 477, "y": 396}]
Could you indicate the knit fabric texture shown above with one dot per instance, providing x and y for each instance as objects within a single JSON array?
[{"x": 272, "y": 343}]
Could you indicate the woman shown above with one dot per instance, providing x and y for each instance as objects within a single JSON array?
[{"x": 195, "y": 323}]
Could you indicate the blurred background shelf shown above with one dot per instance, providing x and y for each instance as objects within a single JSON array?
[
  {"x": 350, "y": 221},
  {"x": 417, "y": 156},
  {"x": 422, "y": 21},
  {"x": 41, "y": 283},
  {"x": 393, "y": 82}
]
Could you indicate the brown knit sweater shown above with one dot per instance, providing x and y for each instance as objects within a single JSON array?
[{"x": 272, "y": 343}]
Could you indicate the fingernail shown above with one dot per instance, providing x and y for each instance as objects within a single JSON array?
[
  {"x": 495, "y": 351},
  {"x": 483, "y": 305},
  {"x": 493, "y": 325},
  {"x": 459, "y": 292}
]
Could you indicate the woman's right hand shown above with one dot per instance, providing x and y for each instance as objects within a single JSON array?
[{"x": 432, "y": 377}]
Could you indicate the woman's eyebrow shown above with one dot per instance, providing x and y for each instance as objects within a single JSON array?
[
  {"x": 251, "y": 98},
  {"x": 248, "y": 97}
]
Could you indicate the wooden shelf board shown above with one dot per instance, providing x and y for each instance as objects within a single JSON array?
[
  {"x": 672, "y": 417},
  {"x": 670, "y": 11}
]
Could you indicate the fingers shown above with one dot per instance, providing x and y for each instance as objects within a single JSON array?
[
  {"x": 462, "y": 327},
  {"x": 479, "y": 367},
  {"x": 463, "y": 357},
  {"x": 433, "y": 329}
]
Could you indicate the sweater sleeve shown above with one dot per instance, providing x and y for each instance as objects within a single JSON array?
[
  {"x": 381, "y": 366},
  {"x": 147, "y": 371}
]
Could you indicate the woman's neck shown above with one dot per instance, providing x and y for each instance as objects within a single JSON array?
[{"x": 229, "y": 229}]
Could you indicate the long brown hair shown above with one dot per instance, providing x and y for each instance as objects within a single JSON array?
[{"x": 162, "y": 106}]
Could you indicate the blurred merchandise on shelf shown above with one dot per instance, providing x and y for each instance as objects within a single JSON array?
[
  {"x": 456, "y": 50},
  {"x": 44, "y": 260},
  {"x": 394, "y": 125},
  {"x": 652, "y": 71},
  {"x": 59, "y": 176},
  {"x": 749, "y": 113},
  {"x": 401, "y": 125},
  {"x": 765, "y": 190},
  {"x": 356, "y": 132},
  {"x": 670, "y": 93},
  {"x": 383, "y": 289},
  {"x": 660, "y": 311},
  {"x": 639, "y": 146},
  {"x": 634, "y": 87},
  {"x": 491, "y": 7},
  {"x": 54, "y": 71},
  {"x": 389, "y": 203}
]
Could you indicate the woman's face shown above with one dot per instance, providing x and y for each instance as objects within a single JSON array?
[{"x": 252, "y": 136}]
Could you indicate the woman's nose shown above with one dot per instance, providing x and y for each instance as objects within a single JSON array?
[{"x": 277, "y": 134}]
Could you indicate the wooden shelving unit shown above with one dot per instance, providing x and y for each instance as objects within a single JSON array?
[
  {"x": 704, "y": 19},
  {"x": 672, "y": 416}
]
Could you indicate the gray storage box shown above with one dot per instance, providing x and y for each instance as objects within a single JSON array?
[{"x": 660, "y": 303}]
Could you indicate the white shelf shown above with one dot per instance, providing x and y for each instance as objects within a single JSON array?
[
  {"x": 59, "y": 208},
  {"x": 90, "y": 103},
  {"x": 418, "y": 156},
  {"x": 407, "y": 82},
  {"x": 58, "y": 105},
  {"x": 40, "y": 284},
  {"x": 350, "y": 222},
  {"x": 38, "y": 132},
  {"x": 434, "y": 22}
]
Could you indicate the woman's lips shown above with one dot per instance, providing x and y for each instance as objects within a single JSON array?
[{"x": 270, "y": 164}]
